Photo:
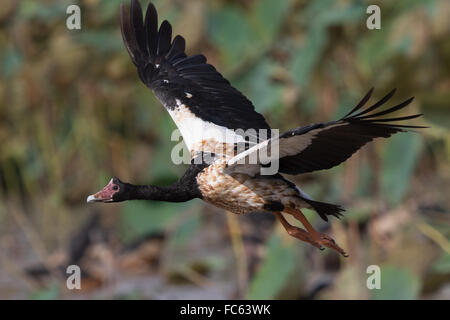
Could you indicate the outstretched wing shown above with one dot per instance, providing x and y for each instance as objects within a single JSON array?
[
  {"x": 325, "y": 145},
  {"x": 203, "y": 104}
]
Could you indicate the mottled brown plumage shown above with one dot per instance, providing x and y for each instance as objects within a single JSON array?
[{"x": 242, "y": 193}]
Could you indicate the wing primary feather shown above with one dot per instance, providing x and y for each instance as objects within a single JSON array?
[
  {"x": 376, "y": 105},
  {"x": 127, "y": 36},
  {"x": 192, "y": 60},
  {"x": 138, "y": 26},
  {"x": 164, "y": 38},
  {"x": 390, "y": 110},
  {"x": 361, "y": 103},
  {"x": 197, "y": 67},
  {"x": 398, "y": 126},
  {"x": 151, "y": 27},
  {"x": 395, "y": 119},
  {"x": 178, "y": 46}
]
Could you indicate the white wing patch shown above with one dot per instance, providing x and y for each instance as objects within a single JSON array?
[
  {"x": 195, "y": 130},
  {"x": 277, "y": 148}
]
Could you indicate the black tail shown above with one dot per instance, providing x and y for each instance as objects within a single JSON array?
[{"x": 325, "y": 209}]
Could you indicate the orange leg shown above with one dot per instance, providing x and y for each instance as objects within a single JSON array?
[
  {"x": 297, "y": 232},
  {"x": 318, "y": 237}
]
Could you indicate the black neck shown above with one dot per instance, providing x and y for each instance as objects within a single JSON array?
[
  {"x": 183, "y": 190},
  {"x": 172, "y": 193}
]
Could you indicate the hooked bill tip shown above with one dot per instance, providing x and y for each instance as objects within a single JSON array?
[{"x": 91, "y": 198}]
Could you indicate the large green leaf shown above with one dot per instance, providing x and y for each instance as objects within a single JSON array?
[
  {"x": 268, "y": 16},
  {"x": 307, "y": 55},
  {"x": 377, "y": 48},
  {"x": 400, "y": 159},
  {"x": 319, "y": 15},
  {"x": 231, "y": 33},
  {"x": 274, "y": 272},
  {"x": 324, "y": 13},
  {"x": 259, "y": 88}
]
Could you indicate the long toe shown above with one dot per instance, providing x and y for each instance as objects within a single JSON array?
[
  {"x": 304, "y": 236},
  {"x": 329, "y": 242}
]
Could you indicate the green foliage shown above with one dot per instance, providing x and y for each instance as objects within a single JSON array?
[
  {"x": 442, "y": 265},
  {"x": 275, "y": 270},
  {"x": 267, "y": 17},
  {"x": 307, "y": 55},
  {"x": 43, "y": 11},
  {"x": 108, "y": 9},
  {"x": 239, "y": 35},
  {"x": 396, "y": 284},
  {"x": 230, "y": 31},
  {"x": 324, "y": 13},
  {"x": 186, "y": 230},
  {"x": 73, "y": 113},
  {"x": 50, "y": 293},
  {"x": 11, "y": 62},
  {"x": 400, "y": 159},
  {"x": 257, "y": 83},
  {"x": 319, "y": 15},
  {"x": 103, "y": 41},
  {"x": 145, "y": 217}
]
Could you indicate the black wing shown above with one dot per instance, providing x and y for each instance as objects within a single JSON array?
[
  {"x": 325, "y": 145},
  {"x": 205, "y": 96}
]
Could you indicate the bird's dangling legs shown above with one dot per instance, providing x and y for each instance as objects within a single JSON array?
[
  {"x": 320, "y": 238},
  {"x": 297, "y": 232}
]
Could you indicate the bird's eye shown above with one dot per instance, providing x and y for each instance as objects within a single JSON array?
[{"x": 115, "y": 188}]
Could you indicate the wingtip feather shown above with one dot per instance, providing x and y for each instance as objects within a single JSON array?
[
  {"x": 376, "y": 105},
  {"x": 151, "y": 27},
  {"x": 164, "y": 38},
  {"x": 361, "y": 103},
  {"x": 127, "y": 33}
]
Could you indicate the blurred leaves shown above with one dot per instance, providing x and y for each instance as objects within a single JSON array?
[
  {"x": 186, "y": 230},
  {"x": 50, "y": 293},
  {"x": 243, "y": 36},
  {"x": 230, "y": 31},
  {"x": 104, "y": 41},
  {"x": 11, "y": 62},
  {"x": 400, "y": 158},
  {"x": 442, "y": 265},
  {"x": 307, "y": 55},
  {"x": 146, "y": 217},
  {"x": 396, "y": 284},
  {"x": 318, "y": 16},
  {"x": 267, "y": 17},
  {"x": 43, "y": 11},
  {"x": 264, "y": 93},
  {"x": 275, "y": 269},
  {"x": 73, "y": 113}
]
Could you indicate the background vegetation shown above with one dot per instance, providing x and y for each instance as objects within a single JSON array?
[{"x": 73, "y": 113}]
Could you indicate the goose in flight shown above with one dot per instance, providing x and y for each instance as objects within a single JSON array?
[{"x": 231, "y": 145}]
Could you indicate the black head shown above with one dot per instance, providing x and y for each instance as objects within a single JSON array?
[{"x": 114, "y": 191}]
